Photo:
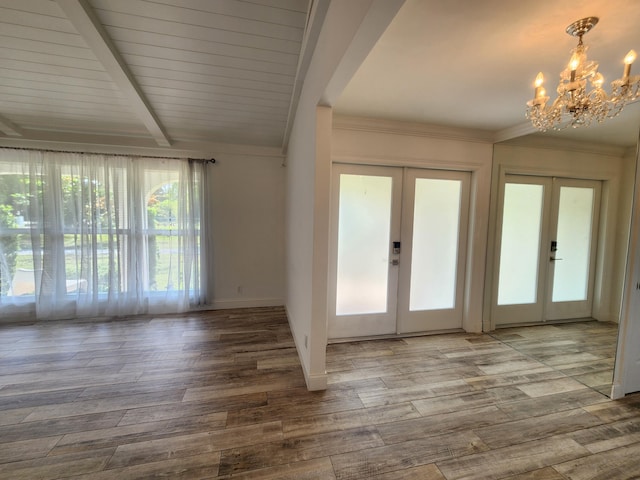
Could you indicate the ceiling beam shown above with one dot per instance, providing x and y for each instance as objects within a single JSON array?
[
  {"x": 372, "y": 26},
  {"x": 9, "y": 128},
  {"x": 312, "y": 31},
  {"x": 85, "y": 21}
]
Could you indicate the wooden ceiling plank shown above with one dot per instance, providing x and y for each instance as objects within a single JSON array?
[
  {"x": 156, "y": 77},
  {"x": 44, "y": 95},
  {"x": 44, "y": 36},
  {"x": 253, "y": 11},
  {"x": 200, "y": 18},
  {"x": 9, "y": 128},
  {"x": 217, "y": 71},
  {"x": 49, "y": 59},
  {"x": 8, "y": 99},
  {"x": 35, "y": 20},
  {"x": 192, "y": 46},
  {"x": 28, "y": 45},
  {"x": 34, "y": 6},
  {"x": 49, "y": 87},
  {"x": 115, "y": 21},
  {"x": 86, "y": 22},
  {"x": 12, "y": 73},
  {"x": 61, "y": 71},
  {"x": 218, "y": 115},
  {"x": 218, "y": 103},
  {"x": 201, "y": 58},
  {"x": 17, "y": 108},
  {"x": 237, "y": 95}
]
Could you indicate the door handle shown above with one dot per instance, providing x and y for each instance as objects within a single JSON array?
[{"x": 553, "y": 259}]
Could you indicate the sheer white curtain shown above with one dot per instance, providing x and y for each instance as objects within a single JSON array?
[{"x": 87, "y": 235}]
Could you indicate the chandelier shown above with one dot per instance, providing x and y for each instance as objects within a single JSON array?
[{"x": 581, "y": 98}]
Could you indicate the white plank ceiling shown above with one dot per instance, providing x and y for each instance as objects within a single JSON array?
[{"x": 197, "y": 70}]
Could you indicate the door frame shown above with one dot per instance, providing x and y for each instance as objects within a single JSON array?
[
  {"x": 424, "y": 151},
  {"x": 529, "y": 160},
  {"x": 544, "y": 310},
  {"x": 399, "y": 278}
]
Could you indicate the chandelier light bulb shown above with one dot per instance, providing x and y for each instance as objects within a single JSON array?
[
  {"x": 630, "y": 58},
  {"x": 539, "y": 91}
]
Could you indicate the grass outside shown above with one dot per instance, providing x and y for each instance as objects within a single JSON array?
[{"x": 163, "y": 265}]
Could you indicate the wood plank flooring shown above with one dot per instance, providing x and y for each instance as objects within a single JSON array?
[
  {"x": 584, "y": 351},
  {"x": 218, "y": 395}
]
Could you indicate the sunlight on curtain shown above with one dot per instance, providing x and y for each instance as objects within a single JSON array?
[{"x": 86, "y": 235}]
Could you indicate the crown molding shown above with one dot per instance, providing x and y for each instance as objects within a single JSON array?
[
  {"x": 520, "y": 130},
  {"x": 396, "y": 127},
  {"x": 553, "y": 143}
]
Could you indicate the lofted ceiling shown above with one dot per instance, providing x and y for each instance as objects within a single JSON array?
[
  {"x": 183, "y": 73},
  {"x": 149, "y": 73}
]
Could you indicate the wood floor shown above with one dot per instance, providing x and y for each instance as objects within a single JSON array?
[
  {"x": 221, "y": 395},
  {"x": 584, "y": 351}
]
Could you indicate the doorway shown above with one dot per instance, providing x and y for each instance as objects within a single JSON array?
[
  {"x": 546, "y": 249},
  {"x": 398, "y": 250}
]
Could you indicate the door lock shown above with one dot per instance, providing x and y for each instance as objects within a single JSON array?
[
  {"x": 554, "y": 249},
  {"x": 395, "y": 262}
]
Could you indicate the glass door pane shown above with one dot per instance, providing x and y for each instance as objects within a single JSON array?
[
  {"x": 521, "y": 260},
  {"x": 434, "y": 256},
  {"x": 520, "y": 243},
  {"x": 363, "y": 244},
  {"x": 571, "y": 273}
]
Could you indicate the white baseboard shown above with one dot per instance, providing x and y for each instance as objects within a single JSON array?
[
  {"x": 616, "y": 391},
  {"x": 607, "y": 317},
  {"x": 221, "y": 304},
  {"x": 314, "y": 381}
]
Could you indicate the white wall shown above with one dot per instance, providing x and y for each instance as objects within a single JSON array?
[
  {"x": 306, "y": 283},
  {"x": 247, "y": 228},
  {"x": 624, "y": 213},
  {"x": 626, "y": 376},
  {"x": 349, "y": 30},
  {"x": 377, "y": 142}
]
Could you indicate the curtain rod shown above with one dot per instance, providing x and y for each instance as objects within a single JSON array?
[{"x": 206, "y": 161}]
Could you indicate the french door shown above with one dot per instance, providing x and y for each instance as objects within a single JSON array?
[
  {"x": 397, "y": 250},
  {"x": 546, "y": 249}
]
